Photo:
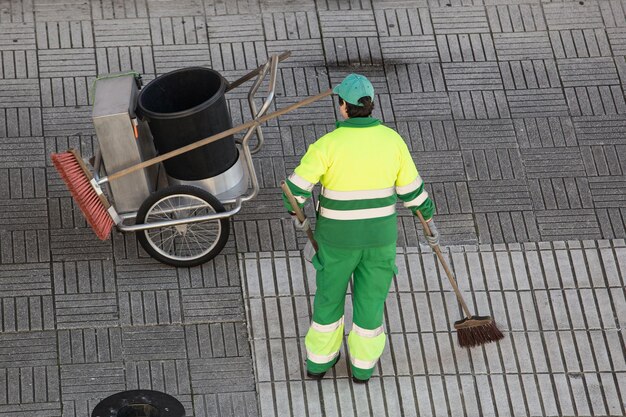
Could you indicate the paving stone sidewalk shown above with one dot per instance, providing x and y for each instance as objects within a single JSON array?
[
  {"x": 561, "y": 306},
  {"x": 515, "y": 113}
]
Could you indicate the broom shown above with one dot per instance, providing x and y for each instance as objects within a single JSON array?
[
  {"x": 472, "y": 330},
  {"x": 100, "y": 214}
]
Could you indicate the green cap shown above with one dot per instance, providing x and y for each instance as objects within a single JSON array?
[{"x": 353, "y": 87}]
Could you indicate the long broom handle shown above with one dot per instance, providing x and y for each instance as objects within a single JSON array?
[
  {"x": 299, "y": 214},
  {"x": 218, "y": 136},
  {"x": 437, "y": 250},
  {"x": 254, "y": 73}
]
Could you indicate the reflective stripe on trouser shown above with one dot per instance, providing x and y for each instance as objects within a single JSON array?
[
  {"x": 373, "y": 270},
  {"x": 366, "y": 346},
  {"x": 322, "y": 343}
]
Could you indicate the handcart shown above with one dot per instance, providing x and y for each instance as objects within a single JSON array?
[{"x": 180, "y": 222}]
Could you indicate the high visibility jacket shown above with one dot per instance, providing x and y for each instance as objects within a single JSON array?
[{"x": 363, "y": 167}]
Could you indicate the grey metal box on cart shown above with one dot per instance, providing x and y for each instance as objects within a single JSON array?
[{"x": 115, "y": 121}]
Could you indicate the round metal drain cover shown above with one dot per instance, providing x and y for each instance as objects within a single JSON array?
[{"x": 139, "y": 403}]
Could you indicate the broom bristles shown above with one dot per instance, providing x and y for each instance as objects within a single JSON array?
[
  {"x": 77, "y": 179},
  {"x": 476, "y": 331}
]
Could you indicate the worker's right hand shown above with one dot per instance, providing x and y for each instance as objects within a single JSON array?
[
  {"x": 297, "y": 223},
  {"x": 433, "y": 239}
]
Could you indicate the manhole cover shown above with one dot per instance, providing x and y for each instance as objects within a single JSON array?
[{"x": 139, "y": 403}]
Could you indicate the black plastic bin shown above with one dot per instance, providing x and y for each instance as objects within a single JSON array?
[{"x": 182, "y": 107}]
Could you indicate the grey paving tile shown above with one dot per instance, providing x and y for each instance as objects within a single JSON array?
[
  {"x": 408, "y": 49},
  {"x": 51, "y": 409},
  {"x": 21, "y": 12},
  {"x": 217, "y": 375},
  {"x": 414, "y": 78},
  {"x": 177, "y": 31},
  {"x": 149, "y": 307},
  {"x": 290, "y": 25},
  {"x": 414, "y": 106},
  {"x": 86, "y": 310},
  {"x": 473, "y": 105},
  {"x": 613, "y": 13},
  {"x": 537, "y": 103},
  {"x": 158, "y": 8},
  {"x": 599, "y": 130},
  {"x": 562, "y": 224},
  {"x": 89, "y": 345},
  {"x": 67, "y": 10},
  {"x": 608, "y": 191},
  {"x": 474, "y": 47},
  {"x": 617, "y": 40},
  {"x": 352, "y": 51},
  {"x": 217, "y": 340},
  {"x": 484, "y": 134},
  {"x": 153, "y": 343},
  {"x": 19, "y": 93},
  {"x": 579, "y": 43},
  {"x": 68, "y": 34},
  {"x": 225, "y": 404},
  {"x": 562, "y": 16},
  {"x": 169, "y": 376},
  {"x": 168, "y": 57},
  {"x": 36, "y": 385},
  {"x": 472, "y": 76},
  {"x": 603, "y": 160},
  {"x": 134, "y": 58},
  {"x": 511, "y": 17},
  {"x": 545, "y": 132},
  {"x": 19, "y": 64},
  {"x": 552, "y": 162},
  {"x": 469, "y": 19},
  {"x": 586, "y": 72},
  {"x": 499, "y": 195},
  {"x": 128, "y": 32},
  {"x": 307, "y": 52},
  {"x": 527, "y": 74},
  {"x": 520, "y": 46},
  {"x": 111, "y": 9},
  {"x": 17, "y": 36},
  {"x": 219, "y": 304},
  {"x": 399, "y": 21},
  {"x": 36, "y": 348}
]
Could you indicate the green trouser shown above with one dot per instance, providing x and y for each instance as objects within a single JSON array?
[{"x": 373, "y": 270}]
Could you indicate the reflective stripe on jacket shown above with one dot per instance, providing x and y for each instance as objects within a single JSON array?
[{"x": 363, "y": 167}]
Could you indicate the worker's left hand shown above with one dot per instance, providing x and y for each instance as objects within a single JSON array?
[{"x": 433, "y": 239}]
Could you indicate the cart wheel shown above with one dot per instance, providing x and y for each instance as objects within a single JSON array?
[{"x": 187, "y": 244}]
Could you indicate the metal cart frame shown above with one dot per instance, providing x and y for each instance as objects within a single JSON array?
[{"x": 196, "y": 199}]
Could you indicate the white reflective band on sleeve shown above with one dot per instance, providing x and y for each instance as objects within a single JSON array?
[
  {"x": 358, "y": 195},
  {"x": 363, "y": 364},
  {"x": 414, "y": 185},
  {"x": 327, "y": 328},
  {"x": 367, "y": 332},
  {"x": 417, "y": 200},
  {"x": 361, "y": 214},
  {"x": 321, "y": 359},
  {"x": 301, "y": 182},
  {"x": 299, "y": 199}
]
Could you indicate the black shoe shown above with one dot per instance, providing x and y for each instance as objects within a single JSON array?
[
  {"x": 360, "y": 381},
  {"x": 320, "y": 375}
]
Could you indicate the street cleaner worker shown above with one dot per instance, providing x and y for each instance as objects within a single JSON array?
[{"x": 363, "y": 167}]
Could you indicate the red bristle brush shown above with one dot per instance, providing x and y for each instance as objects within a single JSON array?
[
  {"x": 86, "y": 193},
  {"x": 472, "y": 330}
]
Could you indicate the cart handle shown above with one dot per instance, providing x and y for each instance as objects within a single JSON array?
[
  {"x": 216, "y": 137},
  {"x": 272, "y": 65},
  {"x": 253, "y": 73}
]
